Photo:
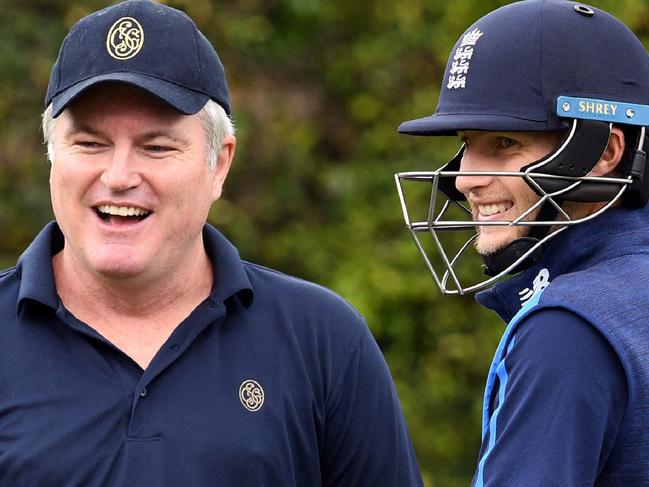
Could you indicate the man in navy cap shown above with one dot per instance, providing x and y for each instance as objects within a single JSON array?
[
  {"x": 138, "y": 348},
  {"x": 550, "y": 100}
]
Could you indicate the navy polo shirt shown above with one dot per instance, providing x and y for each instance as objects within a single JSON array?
[{"x": 270, "y": 381}]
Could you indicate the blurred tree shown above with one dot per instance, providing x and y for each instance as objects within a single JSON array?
[{"x": 319, "y": 88}]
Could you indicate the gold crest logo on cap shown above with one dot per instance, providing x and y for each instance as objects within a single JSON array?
[{"x": 125, "y": 38}]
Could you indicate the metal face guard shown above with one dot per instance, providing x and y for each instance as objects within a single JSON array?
[{"x": 431, "y": 205}]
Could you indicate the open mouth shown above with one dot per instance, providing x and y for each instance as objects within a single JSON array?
[{"x": 121, "y": 214}]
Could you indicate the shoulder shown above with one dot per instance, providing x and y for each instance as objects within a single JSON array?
[
  {"x": 297, "y": 294},
  {"x": 319, "y": 320},
  {"x": 610, "y": 297},
  {"x": 561, "y": 354},
  {"x": 328, "y": 335},
  {"x": 9, "y": 285},
  {"x": 5, "y": 273},
  {"x": 607, "y": 278},
  {"x": 554, "y": 337}
]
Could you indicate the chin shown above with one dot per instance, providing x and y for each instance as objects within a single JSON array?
[
  {"x": 114, "y": 267},
  {"x": 488, "y": 245},
  {"x": 122, "y": 274}
]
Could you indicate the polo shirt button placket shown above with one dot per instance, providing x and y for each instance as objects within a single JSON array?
[{"x": 143, "y": 393}]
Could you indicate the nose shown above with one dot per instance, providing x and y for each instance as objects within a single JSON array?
[
  {"x": 121, "y": 174},
  {"x": 472, "y": 161}
]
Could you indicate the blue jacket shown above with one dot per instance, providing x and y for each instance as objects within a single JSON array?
[{"x": 567, "y": 398}]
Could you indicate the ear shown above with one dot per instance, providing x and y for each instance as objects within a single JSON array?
[
  {"x": 223, "y": 163},
  {"x": 612, "y": 155}
]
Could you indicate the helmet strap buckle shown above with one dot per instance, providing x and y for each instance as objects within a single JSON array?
[{"x": 638, "y": 193}]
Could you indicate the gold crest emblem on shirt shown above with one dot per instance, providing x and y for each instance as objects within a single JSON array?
[
  {"x": 251, "y": 395},
  {"x": 125, "y": 38}
]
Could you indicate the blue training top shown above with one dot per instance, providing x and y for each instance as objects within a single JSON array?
[
  {"x": 567, "y": 394},
  {"x": 270, "y": 381}
]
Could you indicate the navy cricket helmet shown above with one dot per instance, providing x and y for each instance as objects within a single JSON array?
[{"x": 536, "y": 65}]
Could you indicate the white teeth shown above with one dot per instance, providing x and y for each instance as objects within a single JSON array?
[
  {"x": 122, "y": 210},
  {"x": 488, "y": 210}
]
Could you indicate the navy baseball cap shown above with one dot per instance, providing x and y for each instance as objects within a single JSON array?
[
  {"x": 507, "y": 71},
  {"x": 144, "y": 44}
]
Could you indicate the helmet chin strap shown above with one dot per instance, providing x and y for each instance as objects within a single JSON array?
[{"x": 497, "y": 262}]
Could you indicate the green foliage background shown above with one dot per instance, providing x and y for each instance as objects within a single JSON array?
[{"x": 319, "y": 88}]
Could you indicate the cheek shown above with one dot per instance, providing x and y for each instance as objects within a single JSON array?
[
  {"x": 529, "y": 195},
  {"x": 63, "y": 180},
  {"x": 57, "y": 182},
  {"x": 187, "y": 193},
  {"x": 520, "y": 190},
  {"x": 62, "y": 194},
  {"x": 70, "y": 184}
]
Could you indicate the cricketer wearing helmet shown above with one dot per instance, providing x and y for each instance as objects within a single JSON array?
[{"x": 550, "y": 100}]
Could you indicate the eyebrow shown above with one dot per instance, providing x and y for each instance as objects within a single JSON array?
[
  {"x": 77, "y": 127},
  {"x": 81, "y": 127},
  {"x": 161, "y": 133}
]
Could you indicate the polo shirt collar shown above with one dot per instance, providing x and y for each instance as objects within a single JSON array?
[
  {"x": 37, "y": 277},
  {"x": 230, "y": 277},
  {"x": 35, "y": 267}
]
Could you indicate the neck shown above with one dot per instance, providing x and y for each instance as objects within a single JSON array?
[
  {"x": 137, "y": 314},
  {"x": 97, "y": 296}
]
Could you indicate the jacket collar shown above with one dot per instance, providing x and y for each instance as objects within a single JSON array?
[{"x": 616, "y": 232}]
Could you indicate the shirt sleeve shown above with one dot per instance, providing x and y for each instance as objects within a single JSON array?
[
  {"x": 564, "y": 394},
  {"x": 366, "y": 439}
]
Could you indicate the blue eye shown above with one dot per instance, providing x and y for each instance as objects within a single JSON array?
[
  {"x": 506, "y": 142},
  {"x": 158, "y": 148},
  {"x": 88, "y": 144}
]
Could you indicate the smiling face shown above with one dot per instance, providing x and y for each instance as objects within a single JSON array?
[
  {"x": 501, "y": 198},
  {"x": 130, "y": 186}
]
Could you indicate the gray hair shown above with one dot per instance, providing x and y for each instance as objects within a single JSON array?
[{"x": 216, "y": 123}]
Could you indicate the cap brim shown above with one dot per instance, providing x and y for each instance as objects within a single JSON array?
[
  {"x": 449, "y": 124},
  {"x": 182, "y": 99}
]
